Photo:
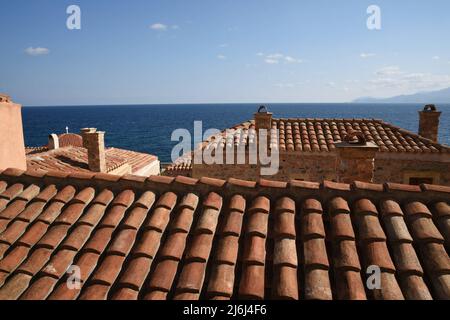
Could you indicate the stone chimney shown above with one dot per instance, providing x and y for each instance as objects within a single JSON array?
[
  {"x": 355, "y": 159},
  {"x": 12, "y": 145},
  {"x": 429, "y": 122},
  {"x": 84, "y": 133},
  {"x": 94, "y": 142},
  {"x": 53, "y": 142},
  {"x": 263, "y": 119}
]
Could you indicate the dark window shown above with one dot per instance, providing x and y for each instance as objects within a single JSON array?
[{"x": 418, "y": 181}]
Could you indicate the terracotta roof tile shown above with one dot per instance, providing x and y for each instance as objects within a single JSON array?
[
  {"x": 163, "y": 276},
  {"x": 390, "y": 290},
  {"x": 108, "y": 270},
  {"x": 33, "y": 234},
  {"x": 417, "y": 208},
  {"x": 406, "y": 260},
  {"x": 59, "y": 263},
  {"x": 252, "y": 282},
  {"x": 40, "y": 289},
  {"x": 227, "y": 250},
  {"x": 317, "y": 135},
  {"x": 135, "y": 273},
  {"x": 376, "y": 254},
  {"x": 36, "y": 261},
  {"x": 341, "y": 227},
  {"x": 148, "y": 244},
  {"x": 339, "y": 205},
  {"x": 345, "y": 257},
  {"x": 160, "y": 241},
  {"x": 317, "y": 285},
  {"x": 72, "y": 158},
  {"x": 349, "y": 285},
  {"x": 122, "y": 243},
  {"x": 414, "y": 288},
  {"x": 233, "y": 223},
  {"x": 95, "y": 292},
  {"x": 99, "y": 240}
]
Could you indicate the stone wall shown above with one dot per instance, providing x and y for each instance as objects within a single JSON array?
[
  {"x": 322, "y": 166},
  {"x": 400, "y": 170},
  {"x": 297, "y": 166}
]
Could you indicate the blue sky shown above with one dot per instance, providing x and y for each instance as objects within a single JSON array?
[{"x": 204, "y": 51}]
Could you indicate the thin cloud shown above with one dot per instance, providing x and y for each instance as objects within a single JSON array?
[
  {"x": 276, "y": 58},
  {"x": 271, "y": 61},
  {"x": 223, "y": 45},
  {"x": 394, "y": 78},
  {"x": 158, "y": 27},
  {"x": 436, "y": 58},
  {"x": 39, "y": 51},
  {"x": 221, "y": 57},
  {"x": 388, "y": 71},
  {"x": 292, "y": 60}
]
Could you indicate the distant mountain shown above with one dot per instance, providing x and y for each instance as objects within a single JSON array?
[{"x": 441, "y": 96}]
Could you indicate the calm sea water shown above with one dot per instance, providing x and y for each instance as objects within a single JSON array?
[{"x": 148, "y": 128}]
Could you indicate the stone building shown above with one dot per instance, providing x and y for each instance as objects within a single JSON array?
[
  {"x": 85, "y": 153},
  {"x": 329, "y": 149}
]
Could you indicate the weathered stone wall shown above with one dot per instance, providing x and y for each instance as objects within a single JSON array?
[
  {"x": 297, "y": 166},
  {"x": 322, "y": 166},
  {"x": 399, "y": 170},
  {"x": 307, "y": 166}
]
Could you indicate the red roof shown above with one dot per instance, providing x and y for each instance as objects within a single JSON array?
[
  {"x": 320, "y": 135},
  {"x": 75, "y": 159},
  {"x": 70, "y": 139},
  {"x": 183, "y": 238}
]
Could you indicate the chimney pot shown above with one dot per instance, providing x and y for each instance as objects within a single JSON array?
[
  {"x": 84, "y": 133},
  {"x": 263, "y": 119},
  {"x": 429, "y": 122},
  {"x": 355, "y": 159}
]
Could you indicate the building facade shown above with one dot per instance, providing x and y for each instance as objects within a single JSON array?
[{"x": 317, "y": 150}]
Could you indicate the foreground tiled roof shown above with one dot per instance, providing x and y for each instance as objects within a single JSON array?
[
  {"x": 181, "y": 238},
  {"x": 75, "y": 159},
  {"x": 320, "y": 135}
]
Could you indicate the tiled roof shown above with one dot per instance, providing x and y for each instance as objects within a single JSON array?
[
  {"x": 70, "y": 139},
  {"x": 181, "y": 167},
  {"x": 74, "y": 159},
  {"x": 137, "y": 160},
  {"x": 182, "y": 238},
  {"x": 320, "y": 135}
]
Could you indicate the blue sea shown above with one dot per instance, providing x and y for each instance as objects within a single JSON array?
[{"x": 148, "y": 128}]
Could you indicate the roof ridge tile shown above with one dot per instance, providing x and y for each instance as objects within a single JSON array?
[{"x": 331, "y": 185}]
